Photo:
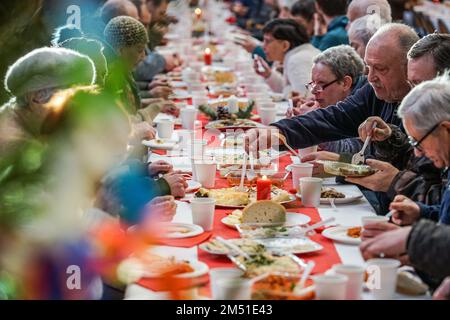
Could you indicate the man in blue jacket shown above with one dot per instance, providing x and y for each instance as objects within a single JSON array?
[{"x": 387, "y": 86}]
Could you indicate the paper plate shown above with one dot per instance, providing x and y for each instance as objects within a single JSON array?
[
  {"x": 339, "y": 234},
  {"x": 292, "y": 219}
]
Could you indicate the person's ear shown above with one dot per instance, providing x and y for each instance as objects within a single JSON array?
[
  {"x": 446, "y": 125},
  {"x": 347, "y": 83},
  {"x": 285, "y": 45}
]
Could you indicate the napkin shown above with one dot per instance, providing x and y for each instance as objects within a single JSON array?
[{"x": 185, "y": 242}]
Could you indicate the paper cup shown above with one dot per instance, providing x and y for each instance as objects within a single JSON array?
[
  {"x": 268, "y": 115},
  {"x": 188, "y": 117},
  {"x": 310, "y": 191},
  {"x": 300, "y": 170},
  {"x": 373, "y": 219},
  {"x": 306, "y": 151},
  {"x": 204, "y": 172},
  {"x": 220, "y": 274},
  {"x": 203, "y": 212},
  {"x": 382, "y": 277},
  {"x": 165, "y": 129},
  {"x": 355, "y": 275},
  {"x": 330, "y": 287},
  {"x": 233, "y": 289},
  {"x": 199, "y": 99}
]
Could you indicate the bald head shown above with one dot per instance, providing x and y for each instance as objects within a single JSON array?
[
  {"x": 115, "y": 8},
  {"x": 396, "y": 36},
  {"x": 361, "y": 8},
  {"x": 386, "y": 59}
]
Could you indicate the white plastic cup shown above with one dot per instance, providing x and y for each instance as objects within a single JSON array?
[
  {"x": 373, "y": 219},
  {"x": 233, "y": 289},
  {"x": 196, "y": 87},
  {"x": 301, "y": 170},
  {"x": 268, "y": 115},
  {"x": 203, "y": 212},
  {"x": 199, "y": 99},
  {"x": 188, "y": 117},
  {"x": 222, "y": 273},
  {"x": 165, "y": 129},
  {"x": 198, "y": 148},
  {"x": 382, "y": 277},
  {"x": 330, "y": 287},
  {"x": 310, "y": 190},
  {"x": 306, "y": 151},
  {"x": 355, "y": 276},
  {"x": 204, "y": 172}
]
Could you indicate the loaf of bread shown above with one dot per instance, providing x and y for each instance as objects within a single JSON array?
[
  {"x": 409, "y": 284},
  {"x": 265, "y": 211}
]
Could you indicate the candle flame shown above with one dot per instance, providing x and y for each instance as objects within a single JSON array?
[
  {"x": 208, "y": 51},
  {"x": 264, "y": 177},
  {"x": 198, "y": 11}
]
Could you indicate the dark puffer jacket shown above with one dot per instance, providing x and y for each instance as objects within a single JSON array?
[{"x": 428, "y": 248}]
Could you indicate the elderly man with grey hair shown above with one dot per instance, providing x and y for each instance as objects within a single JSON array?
[
  {"x": 362, "y": 29},
  {"x": 425, "y": 114},
  {"x": 388, "y": 85},
  {"x": 360, "y": 8}
]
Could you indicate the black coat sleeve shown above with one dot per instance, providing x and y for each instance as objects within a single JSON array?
[
  {"x": 428, "y": 248},
  {"x": 333, "y": 123}
]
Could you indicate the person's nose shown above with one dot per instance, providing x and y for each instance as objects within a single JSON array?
[
  {"x": 418, "y": 153},
  {"x": 371, "y": 76}
]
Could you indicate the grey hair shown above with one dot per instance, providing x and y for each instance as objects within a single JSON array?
[
  {"x": 406, "y": 36},
  {"x": 368, "y": 7},
  {"x": 428, "y": 104},
  {"x": 365, "y": 27},
  {"x": 343, "y": 61}
]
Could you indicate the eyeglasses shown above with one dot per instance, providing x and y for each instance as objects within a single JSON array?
[
  {"x": 312, "y": 86},
  {"x": 416, "y": 144}
]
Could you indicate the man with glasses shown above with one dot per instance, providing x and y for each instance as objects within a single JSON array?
[
  {"x": 425, "y": 114},
  {"x": 337, "y": 73}
]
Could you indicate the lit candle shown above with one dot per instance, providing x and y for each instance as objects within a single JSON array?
[
  {"x": 263, "y": 188},
  {"x": 198, "y": 13},
  {"x": 208, "y": 56}
]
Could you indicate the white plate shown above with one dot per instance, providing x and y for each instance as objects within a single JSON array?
[
  {"x": 291, "y": 245},
  {"x": 134, "y": 269},
  {"x": 195, "y": 230},
  {"x": 339, "y": 234},
  {"x": 193, "y": 186},
  {"x": 165, "y": 145},
  {"x": 292, "y": 219},
  {"x": 349, "y": 197}
]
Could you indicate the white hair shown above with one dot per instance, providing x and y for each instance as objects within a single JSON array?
[
  {"x": 428, "y": 104},
  {"x": 368, "y": 7},
  {"x": 365, "y": 27}
]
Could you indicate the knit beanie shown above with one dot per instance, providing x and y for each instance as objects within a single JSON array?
[
  {"x": 124, "y": 31},
  {"x": 46, "y": 68}
]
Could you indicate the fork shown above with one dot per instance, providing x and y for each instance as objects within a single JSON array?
[
  {"x": 244, "y": 169},
  {"x": 283, "y": 139},
  {"x": 358, "y": 158}
]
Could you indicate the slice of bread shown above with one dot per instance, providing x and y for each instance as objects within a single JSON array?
[{"x": 265, "y": 211}]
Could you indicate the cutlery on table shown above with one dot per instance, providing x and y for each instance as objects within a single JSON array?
[{"x": 358, "y": 158}]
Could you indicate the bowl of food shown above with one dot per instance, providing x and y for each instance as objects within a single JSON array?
[{"x": 279, "y": 286}]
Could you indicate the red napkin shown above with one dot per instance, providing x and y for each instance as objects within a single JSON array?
[
  {"x": 172, "y": 283},
  {"x": 160, "y": 152},
  {"x": 185, "y": 242}
]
